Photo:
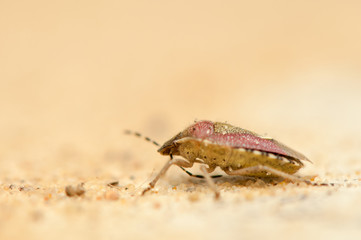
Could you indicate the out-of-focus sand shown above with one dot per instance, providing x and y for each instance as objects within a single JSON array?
[{"x": 74, "y": 75}]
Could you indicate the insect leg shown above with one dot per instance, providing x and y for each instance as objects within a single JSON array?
[
  {"x": 199, "y": 176},
  {"x": 178, "y": 162},
  {"x": 210, "y": 182},
  {"x": 259, "y": 168}
]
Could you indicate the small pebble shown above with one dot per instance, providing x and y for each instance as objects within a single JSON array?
[
  {"x": 72, "y": 191},
  {"x": 113, "y": 184}
]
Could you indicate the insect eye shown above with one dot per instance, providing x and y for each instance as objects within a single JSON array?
[{"x": 193, "y": 129}]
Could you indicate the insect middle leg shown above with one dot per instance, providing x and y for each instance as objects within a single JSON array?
[
  {"x": 178, "y": 162},
  {"x": 261, "y": 168},
  {"x": 199, "y": 176},
  {"x": 210, "y": 182}
]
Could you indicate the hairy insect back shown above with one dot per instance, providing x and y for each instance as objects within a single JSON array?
[
  {"x": 224, "y": 143},
  {"x": 228, "y": 135}
]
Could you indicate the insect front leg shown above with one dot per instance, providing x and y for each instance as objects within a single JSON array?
[
  {"x": 179, "y": 162},
  {"x": 261, "y": 168}
]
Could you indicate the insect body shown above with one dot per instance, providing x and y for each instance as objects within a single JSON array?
[{"x": 235, "y": 150}]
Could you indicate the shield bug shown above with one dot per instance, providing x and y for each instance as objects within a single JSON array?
[{"x": 235, "y": 150}]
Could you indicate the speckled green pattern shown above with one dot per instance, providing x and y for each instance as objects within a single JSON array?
[{"x": 225, "y": 128}]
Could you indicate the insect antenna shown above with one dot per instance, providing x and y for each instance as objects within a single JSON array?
[{"x": 128, "y": 132}]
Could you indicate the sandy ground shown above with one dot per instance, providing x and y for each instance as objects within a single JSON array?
[{"x": 74, "y": 75}]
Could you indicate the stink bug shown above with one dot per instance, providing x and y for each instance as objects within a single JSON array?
[{"x": 235, "y": 150}]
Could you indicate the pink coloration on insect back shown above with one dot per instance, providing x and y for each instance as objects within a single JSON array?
[
  {"x": 202, "y": 129},
  {"x": 223, "y": 134},
  {"x": 228, "y": 135},
  {"x": 247, "y": 141}
]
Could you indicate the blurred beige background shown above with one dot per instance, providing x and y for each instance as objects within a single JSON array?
[{"x": 75, "y": 74}]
